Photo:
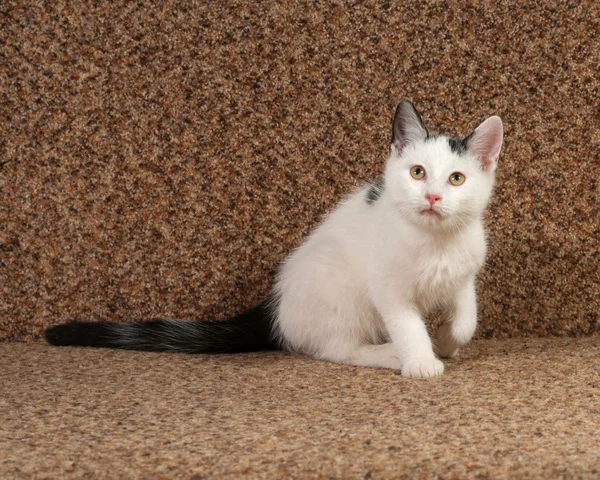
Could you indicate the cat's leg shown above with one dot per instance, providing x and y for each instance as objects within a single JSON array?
[
  {"x": 380, "y": 356},
  {"x": 461, "y": 324},
  {"x": 390, "y": 292},
  {"x": 410, "y": 350},
  {"x": 412, "y": 343}
]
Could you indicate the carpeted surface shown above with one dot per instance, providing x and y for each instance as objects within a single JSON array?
[
  {"x": 522, "y": 408},
  {"x": 161, "y": 158}
]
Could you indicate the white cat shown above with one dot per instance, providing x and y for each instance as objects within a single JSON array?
[{"x": 357, "y": 290}]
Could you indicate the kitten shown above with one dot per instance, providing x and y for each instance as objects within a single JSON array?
[{"x": 357, "y": 290}]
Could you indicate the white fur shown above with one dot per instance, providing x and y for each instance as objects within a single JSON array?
[{"x": 359, "y": 287}]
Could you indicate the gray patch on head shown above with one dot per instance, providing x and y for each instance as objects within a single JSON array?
[
  {"x": 375, "y": 191},
  {"x": 458, "y": 145}
]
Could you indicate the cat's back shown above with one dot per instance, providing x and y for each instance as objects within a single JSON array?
[
  {"x": 343, "y": 232},
  {"x": 334, "y": 254}
]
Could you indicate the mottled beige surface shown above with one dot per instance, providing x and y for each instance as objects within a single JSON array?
[
  {"x": 505, "y": 409},
  {"x": 162, "y": 158}
]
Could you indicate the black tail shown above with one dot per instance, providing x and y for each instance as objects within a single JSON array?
[{"x": 248, "y": 332}]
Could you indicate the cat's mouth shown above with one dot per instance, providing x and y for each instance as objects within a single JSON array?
[{"x": 431, "y": 212}]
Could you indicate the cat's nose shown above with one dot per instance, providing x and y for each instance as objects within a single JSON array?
[{"x": 432, "y": 198}]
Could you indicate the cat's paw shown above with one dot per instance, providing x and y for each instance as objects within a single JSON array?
[
  {"x": 445, "y": 345},
  {"x": 431, "y": 367},
  {"x": 446, "y": 351}
]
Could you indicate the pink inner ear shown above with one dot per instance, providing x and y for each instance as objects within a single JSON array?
[
  {"x": 490, "y": 157},
  {"x": 486, "y": 142}
]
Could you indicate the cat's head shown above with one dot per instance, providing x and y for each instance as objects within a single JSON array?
[{"x": 438, "y": 182}]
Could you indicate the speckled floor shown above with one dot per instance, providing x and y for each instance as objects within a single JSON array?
[{"x": 525, "y": 408}]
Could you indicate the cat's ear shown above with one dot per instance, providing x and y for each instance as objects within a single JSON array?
[
  {"x": 408, "y": 126},
  {"x": 485, "y": 142}
]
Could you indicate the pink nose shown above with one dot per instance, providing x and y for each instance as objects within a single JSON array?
[{"x": 432, "y": 198}]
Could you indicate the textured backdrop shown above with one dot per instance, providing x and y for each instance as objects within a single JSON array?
[{"x": 161, "y": 160}]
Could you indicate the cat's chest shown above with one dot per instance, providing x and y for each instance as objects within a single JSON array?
[
  {"x": 437, "y": 269},
  {"x": 437, "y": 273}
]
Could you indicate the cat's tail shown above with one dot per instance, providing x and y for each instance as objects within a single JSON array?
[{"x": 250, "y": 331}]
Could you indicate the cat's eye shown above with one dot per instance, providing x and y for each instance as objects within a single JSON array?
[
  {"x": 457, "y": 179},
  {"x": 417, "y": 172}
]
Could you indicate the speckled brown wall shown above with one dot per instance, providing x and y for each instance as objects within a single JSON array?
[{"x": 161, "y": 160}]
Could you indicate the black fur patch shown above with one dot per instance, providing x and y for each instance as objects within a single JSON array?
[
  {"x": 405, "y": 109},
  {"x": 247, "y": 332},
  {"x": 85, "y": 334},
  {"x": 458, "y": 145},
  {"x": 375, "y": 191}
]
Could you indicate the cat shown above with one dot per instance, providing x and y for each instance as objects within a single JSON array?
[{"x": 357, "y": 290}]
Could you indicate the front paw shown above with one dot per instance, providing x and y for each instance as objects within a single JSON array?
[
  {"x": 445, "y": 345},
  {"x": 431, "y": 367},
  {"x": 446, "y": 350}
]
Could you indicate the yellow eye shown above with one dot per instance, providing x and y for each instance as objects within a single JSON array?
[
  {"x": 457, "y": 179},
  {"x": 417, "y": 172}
]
